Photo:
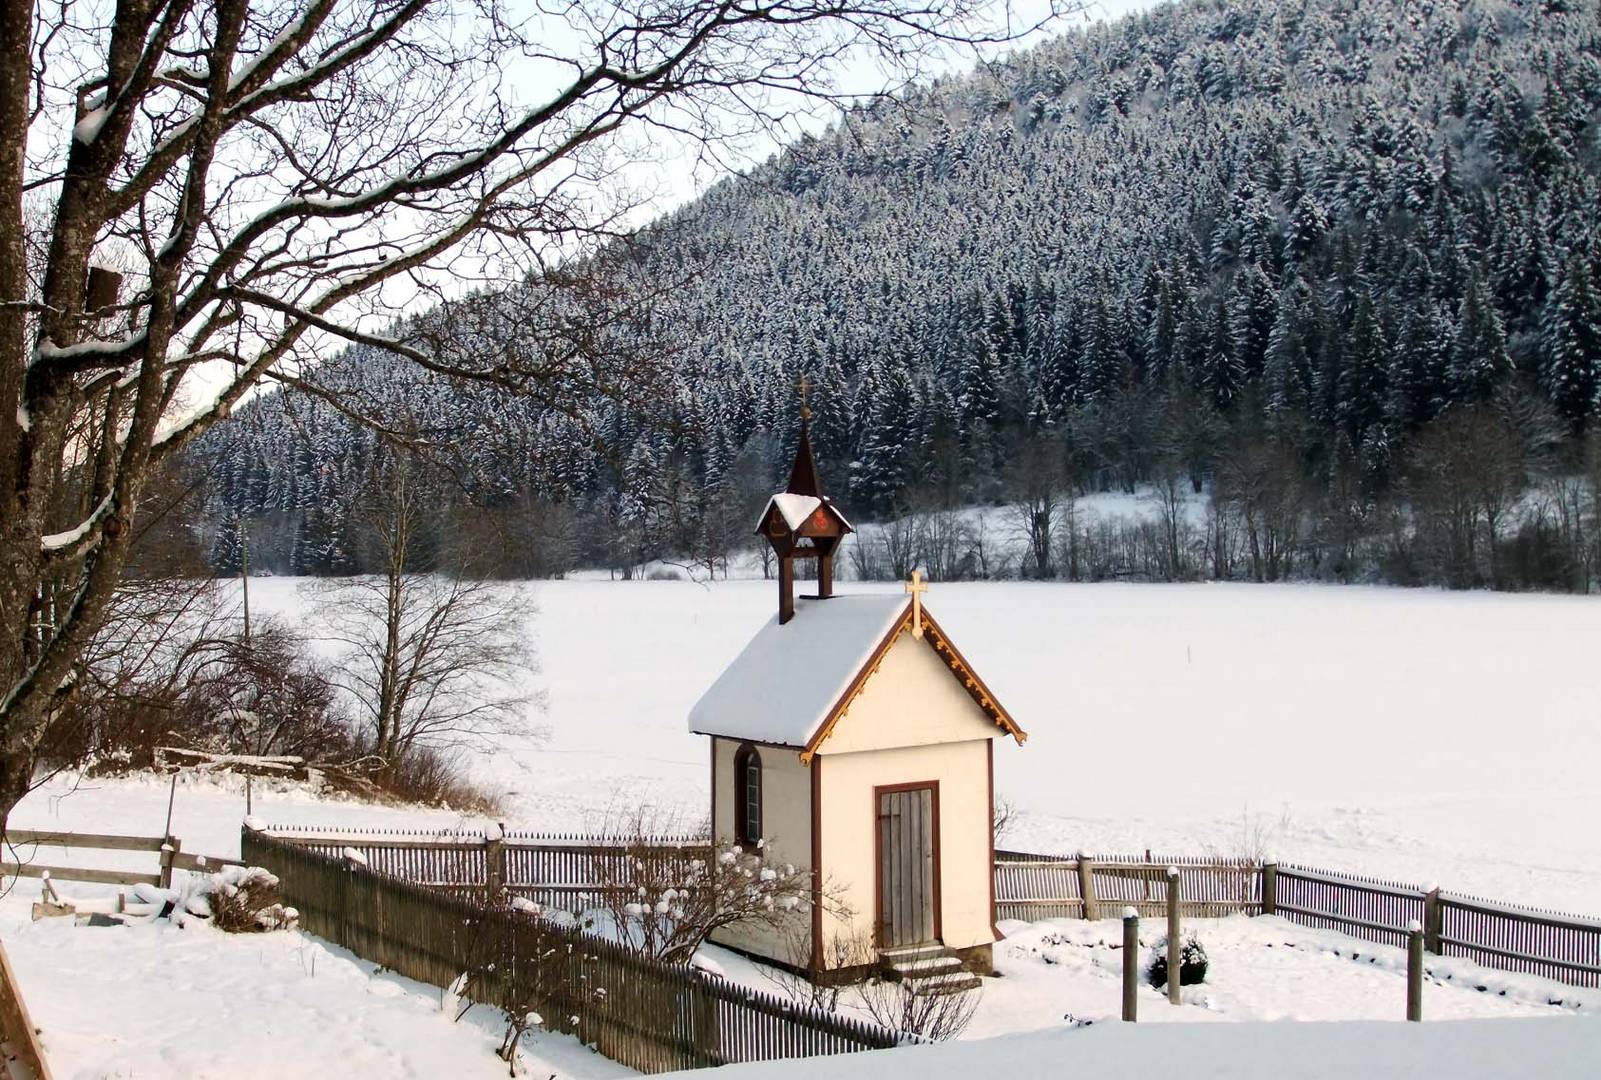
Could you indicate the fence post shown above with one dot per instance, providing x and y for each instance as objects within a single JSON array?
[
  {"x": 1131, "y": 964},
  {"x": 1175, "y": 947},
  {"x": 169, "y": 851},
  {"x": 1433, "y": 920},
  {"x": 494, "y": 863},
  {"x": 1086, "y": 886},
  {"x": 1414, "y": 971},
  {"x": 1270, "y": 888}
]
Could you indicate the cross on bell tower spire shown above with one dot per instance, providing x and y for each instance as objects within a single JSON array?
[{"x": 803, "y": 475}]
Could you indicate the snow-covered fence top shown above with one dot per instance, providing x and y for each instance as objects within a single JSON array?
[
  {"x": 331, "y": 833},
  {"x": 650, "y": 1016}
]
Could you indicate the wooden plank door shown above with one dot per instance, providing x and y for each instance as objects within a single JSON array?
[{"x": 907, "y": 835}]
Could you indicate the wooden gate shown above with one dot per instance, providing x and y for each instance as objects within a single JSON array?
[{"x": 908, "y": 864}]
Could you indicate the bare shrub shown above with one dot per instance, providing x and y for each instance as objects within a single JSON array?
[
  {"x": 434, "y": 777},
  {"x": 244, "y": 900},
  {"x": 663, "y": 902},
  {"x": 515, "y": 959},
  {"x": 262, "y": 695},
  {"x": 1004, "y": 816},
  {"x": 933, "y": 1016},
  {"x": 847, "y": 960}
]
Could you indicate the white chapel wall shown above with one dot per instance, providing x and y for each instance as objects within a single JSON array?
[
  {"x": 787, "y": 827},
  {"x": 912, "y": 699},
  {"x": 849, "y": 821}
]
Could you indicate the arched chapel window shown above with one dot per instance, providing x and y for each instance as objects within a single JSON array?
[{"x": 747, "y": 796}]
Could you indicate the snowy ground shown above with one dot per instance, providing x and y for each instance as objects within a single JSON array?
[
  {"x": 1462, "y": 1050},
  {"x": 158, "y": 1001},
  {"x": 1419, "y": 735},
  {"x": 1064, "y": 971}
]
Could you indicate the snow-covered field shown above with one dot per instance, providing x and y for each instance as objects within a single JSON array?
[
  {"x": 1411, "y": 734},
  {"x": 1419, "y": 735}
]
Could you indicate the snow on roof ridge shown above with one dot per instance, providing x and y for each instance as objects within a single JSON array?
[
  {"x": 796, "y": 508},
  {"x": 789, "y": 676}
]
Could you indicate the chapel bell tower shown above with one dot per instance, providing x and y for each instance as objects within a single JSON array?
[{"x": 801, "y": 522}]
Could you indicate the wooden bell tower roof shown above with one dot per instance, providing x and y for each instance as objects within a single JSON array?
[
  {"x": 803, "y": 476},
  {"x": 801, "y": 522}
]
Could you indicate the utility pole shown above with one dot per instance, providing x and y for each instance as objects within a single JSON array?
[{"x": 244, "y": 573}]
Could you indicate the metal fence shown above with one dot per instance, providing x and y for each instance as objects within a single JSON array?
[{"x": 649, "y": 1016}]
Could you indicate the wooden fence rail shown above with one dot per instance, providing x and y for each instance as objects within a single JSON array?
[
  {"x": 26, "y": 1054},
  {"x": 649, "y": 1016},
  {"x": 168, "y": 850}
]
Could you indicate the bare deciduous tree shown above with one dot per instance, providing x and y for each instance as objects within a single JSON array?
[
  {"x": 279, "y": 176},
  {"x": 432, "y": 656},
  {"x": 1037, "y": 479}
]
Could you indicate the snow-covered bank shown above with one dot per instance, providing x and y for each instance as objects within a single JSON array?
[
  {"x": 1462, "y": 1049},
  {"x": 154, "y": 1000}
]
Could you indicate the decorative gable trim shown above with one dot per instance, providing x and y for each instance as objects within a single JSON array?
[
  {"x": 953, "y": 658},
  {"x": 936, "y": 638}
]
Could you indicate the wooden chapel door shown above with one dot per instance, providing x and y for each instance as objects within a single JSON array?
[{"x": 908, "y": 839}]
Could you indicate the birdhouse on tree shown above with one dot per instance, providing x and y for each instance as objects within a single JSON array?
[{"x": 852, "y": 739}]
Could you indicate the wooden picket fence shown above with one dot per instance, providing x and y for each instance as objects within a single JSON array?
[
  {"x": 649, "y": 1016},
  {"x": 1030, "y": 886},
  {"x": 562, "y": 871},
  {"x": 1508, "y": 937}
]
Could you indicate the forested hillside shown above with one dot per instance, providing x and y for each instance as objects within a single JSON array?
[{"x": 1335, "y": 263}]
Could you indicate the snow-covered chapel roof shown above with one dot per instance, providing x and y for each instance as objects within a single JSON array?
[{"x": 793, "y": 680}]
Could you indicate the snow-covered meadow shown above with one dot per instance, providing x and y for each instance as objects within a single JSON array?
[{"x": 1413, "y": 734}]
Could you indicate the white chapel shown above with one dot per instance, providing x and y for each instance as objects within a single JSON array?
[{"x": 850, "y": 737}]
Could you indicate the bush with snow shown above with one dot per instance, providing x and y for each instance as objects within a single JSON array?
[
  {"x": 1192, "y": 962},
  {"x": 238, "y": 899}
]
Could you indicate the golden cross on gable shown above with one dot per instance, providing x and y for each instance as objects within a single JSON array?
[
  {"x": 917, "y": 587},
  {"x": 803, "y": 387}
]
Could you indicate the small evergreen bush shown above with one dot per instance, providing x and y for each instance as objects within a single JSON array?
[{"x": 1192, "y": 963}]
